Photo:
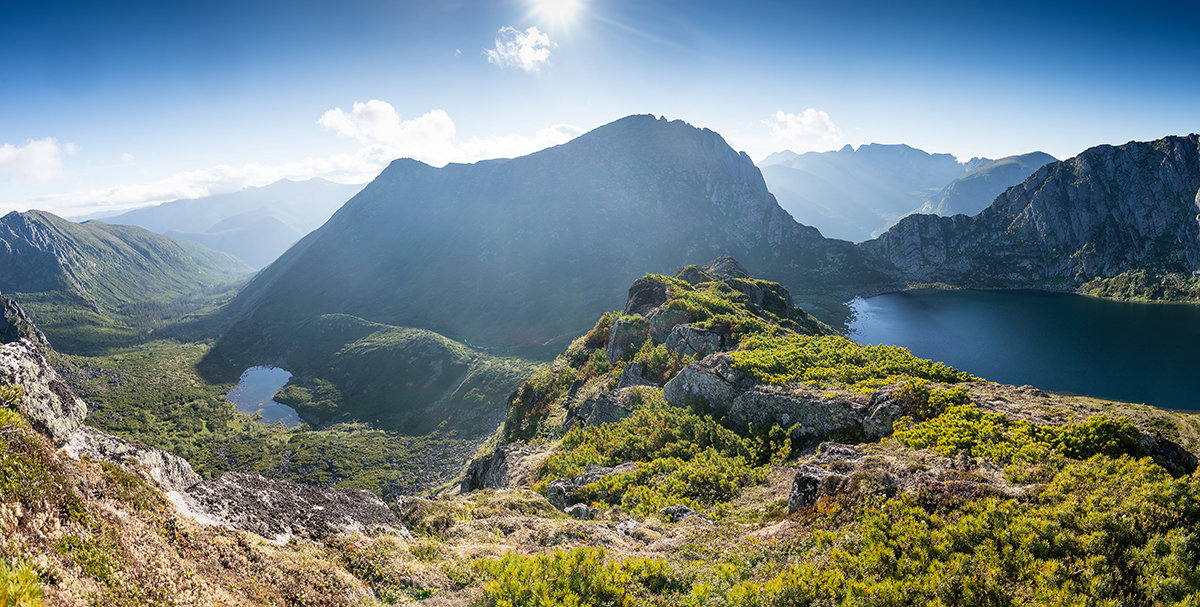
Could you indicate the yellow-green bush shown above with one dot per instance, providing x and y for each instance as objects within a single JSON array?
[
  {"x": 831, "y": 360},
  {"x": 19, "y": 586},
  {"x": 577, "y": 578}
]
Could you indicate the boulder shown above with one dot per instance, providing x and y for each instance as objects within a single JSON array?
[
  {"x": 594, "y": 473},
  {"x": 582, "y": 512},
  {"x": 813, "y": 418},
  {"x": 677, "y": 513},
  {"x": 633, "y": 376},
  {"x": 279, "y": 510},
  {"x": 561, "y": 493},
  {"x": 810, "y": 483},
  {"x": 510, "y": 465},
  {"x": 686, "y": 340},
  {"x": 710, "y": 383},
  {"x": 645, "y": 294},
  {"x": 167, "y": 469},
  {"x": 51, "y": 406},
  {"x": 626, "y": 332}
]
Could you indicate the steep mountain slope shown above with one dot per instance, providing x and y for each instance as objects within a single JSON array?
[
  {"x": 854, "y": 194},
  {"x": 69, "y": 275},
  {"x": 974, "y": 191},
  {"x": 524, "y": 250},
  {"x": 255, "y": 224},
  {"x": 1108, "y": 210}
]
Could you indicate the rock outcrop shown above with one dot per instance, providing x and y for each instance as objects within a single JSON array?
[
  {"x": 51, "y": 406},
  {"x": 167, "y": 469},
  {"x": 510, "y": 465},
  {"x": 281, "y": 509},
  {"x": 713, "y": 385},
  {"x": 15, "y": 324}
]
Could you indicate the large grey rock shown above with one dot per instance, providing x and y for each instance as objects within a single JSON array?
[
  {"x": 814, "y": 418},
  {"x": 581, "y": 511},
  {"x": 710, "y": 383},
  {"x": 633, "y": 376},
  {"x": 645, "y": 294},
  {"x": 810, "y": 483},
  {"x": 51, "y": 406},
  {"x": 560, "y": 492},
  {"x": 279, "y": 510},
  {"x": 168, "y": 469},
  {"x": 508, "y": 466},
  {"x": 686, "y": 340},
  {"x": 594, "y": 473},
  {"x": 625, "y": 333}
]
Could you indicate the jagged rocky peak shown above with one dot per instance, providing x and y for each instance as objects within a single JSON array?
[{"x": 1103, "y": 212}]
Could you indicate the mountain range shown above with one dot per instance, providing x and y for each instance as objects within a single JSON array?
[
  {"x": 856, "y": 193},
  {"x": 256, "y": 224},
  {"x": 94, "y": 284}
]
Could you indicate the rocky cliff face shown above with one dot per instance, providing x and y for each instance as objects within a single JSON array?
[
  {"x": 1110, "y": 209},
  {"x": 975, "y": 190}
]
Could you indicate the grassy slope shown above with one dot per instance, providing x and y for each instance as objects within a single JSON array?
[{"x": 93, "y": 286}]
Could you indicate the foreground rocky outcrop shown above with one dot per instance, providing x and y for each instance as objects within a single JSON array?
[
  {"x": 279, "y": 510},
  {"x": 713, "y": 385}
]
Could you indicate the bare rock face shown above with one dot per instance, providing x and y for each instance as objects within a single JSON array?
[
  {"x": 510, "y": 465},
  {"x": 15, "y": 325},
  {"x": 168, "y": 469},
  {"x": 1105, "y": 211},
  {"x": 51, "y": 406},
  {"x": 282, "y": 509},
  {"x": 686, "y": 340},
  {"x": 712, "y": 381}
]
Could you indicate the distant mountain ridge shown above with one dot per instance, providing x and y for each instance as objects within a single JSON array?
[
  {"x": 1108, "y": 210},
  {"x": 524, "y": 250},
  {"x": 983, "y": 182},
  {"x": 66, "y": 274},
  {"x": 853, "y": 194},
  {"x": 256, "y": 224}
]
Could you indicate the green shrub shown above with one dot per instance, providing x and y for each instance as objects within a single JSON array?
[
  {"x": 19, "y": 586},
  {"x": 992, "y": 435},
  {"x": 581, "y": 576},
  {"x": 10, "y": 396},
  {"x": 833, "y": 360}
]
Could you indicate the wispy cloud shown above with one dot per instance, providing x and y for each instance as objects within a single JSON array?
[
  {"x": 384, "y": 136},
  {"x": 528, "y": 50},
  {"x": 38, "y": 161},
  {"x": 811, "y": 129}
]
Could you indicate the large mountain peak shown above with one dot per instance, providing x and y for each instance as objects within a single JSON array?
[{"x": 527, "y": 249}]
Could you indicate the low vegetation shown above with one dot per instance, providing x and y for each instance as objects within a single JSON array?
[{"x": 1140, "y": 285}]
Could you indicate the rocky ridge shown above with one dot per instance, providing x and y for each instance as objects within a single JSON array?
[{"x": 1103, "y": 212}]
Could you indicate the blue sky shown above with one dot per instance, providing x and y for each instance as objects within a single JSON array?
[{"x": 112, "y": 105}]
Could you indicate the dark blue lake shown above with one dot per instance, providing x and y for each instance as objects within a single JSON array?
[
  {"x": 255, "y": 390},
  {"x": 1143, "y": 353}
]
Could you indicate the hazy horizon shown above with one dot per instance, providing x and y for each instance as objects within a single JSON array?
[{"x": 123, "y": 105}]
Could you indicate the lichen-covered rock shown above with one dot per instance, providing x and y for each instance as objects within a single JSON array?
[
  {"x": 810, "y": 483},
  {"x": 167, "y": 469},
  {"x": 686, "y": 340},
  {"x": 51, "y": 406},
  {"x": 882, "y": 415},
  {"x": 594, "y": 473},
  {"x": 626, "y": 332},
  {"x": 560, "y": 492},
  {"x": 813, "y": 418},
  {"x": 633, "y": 376},
  {"x": 510, "y": 465},
  {"x": 710, "y": 382},
  {"x": 279, "y": 510}
]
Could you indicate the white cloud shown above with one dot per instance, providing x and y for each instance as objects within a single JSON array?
[
  {"x": 808, "y": 130},
  {"x": 431, "y": 137},
  {"x": 527, "y": 50},
  {"x": 38, "y": 161},
  {"x": 127, "y": 157}
]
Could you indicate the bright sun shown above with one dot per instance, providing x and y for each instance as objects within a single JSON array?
[{"x": 556, "y": 11}]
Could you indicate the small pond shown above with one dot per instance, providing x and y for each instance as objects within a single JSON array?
[{"x": 254, "y": 393}]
